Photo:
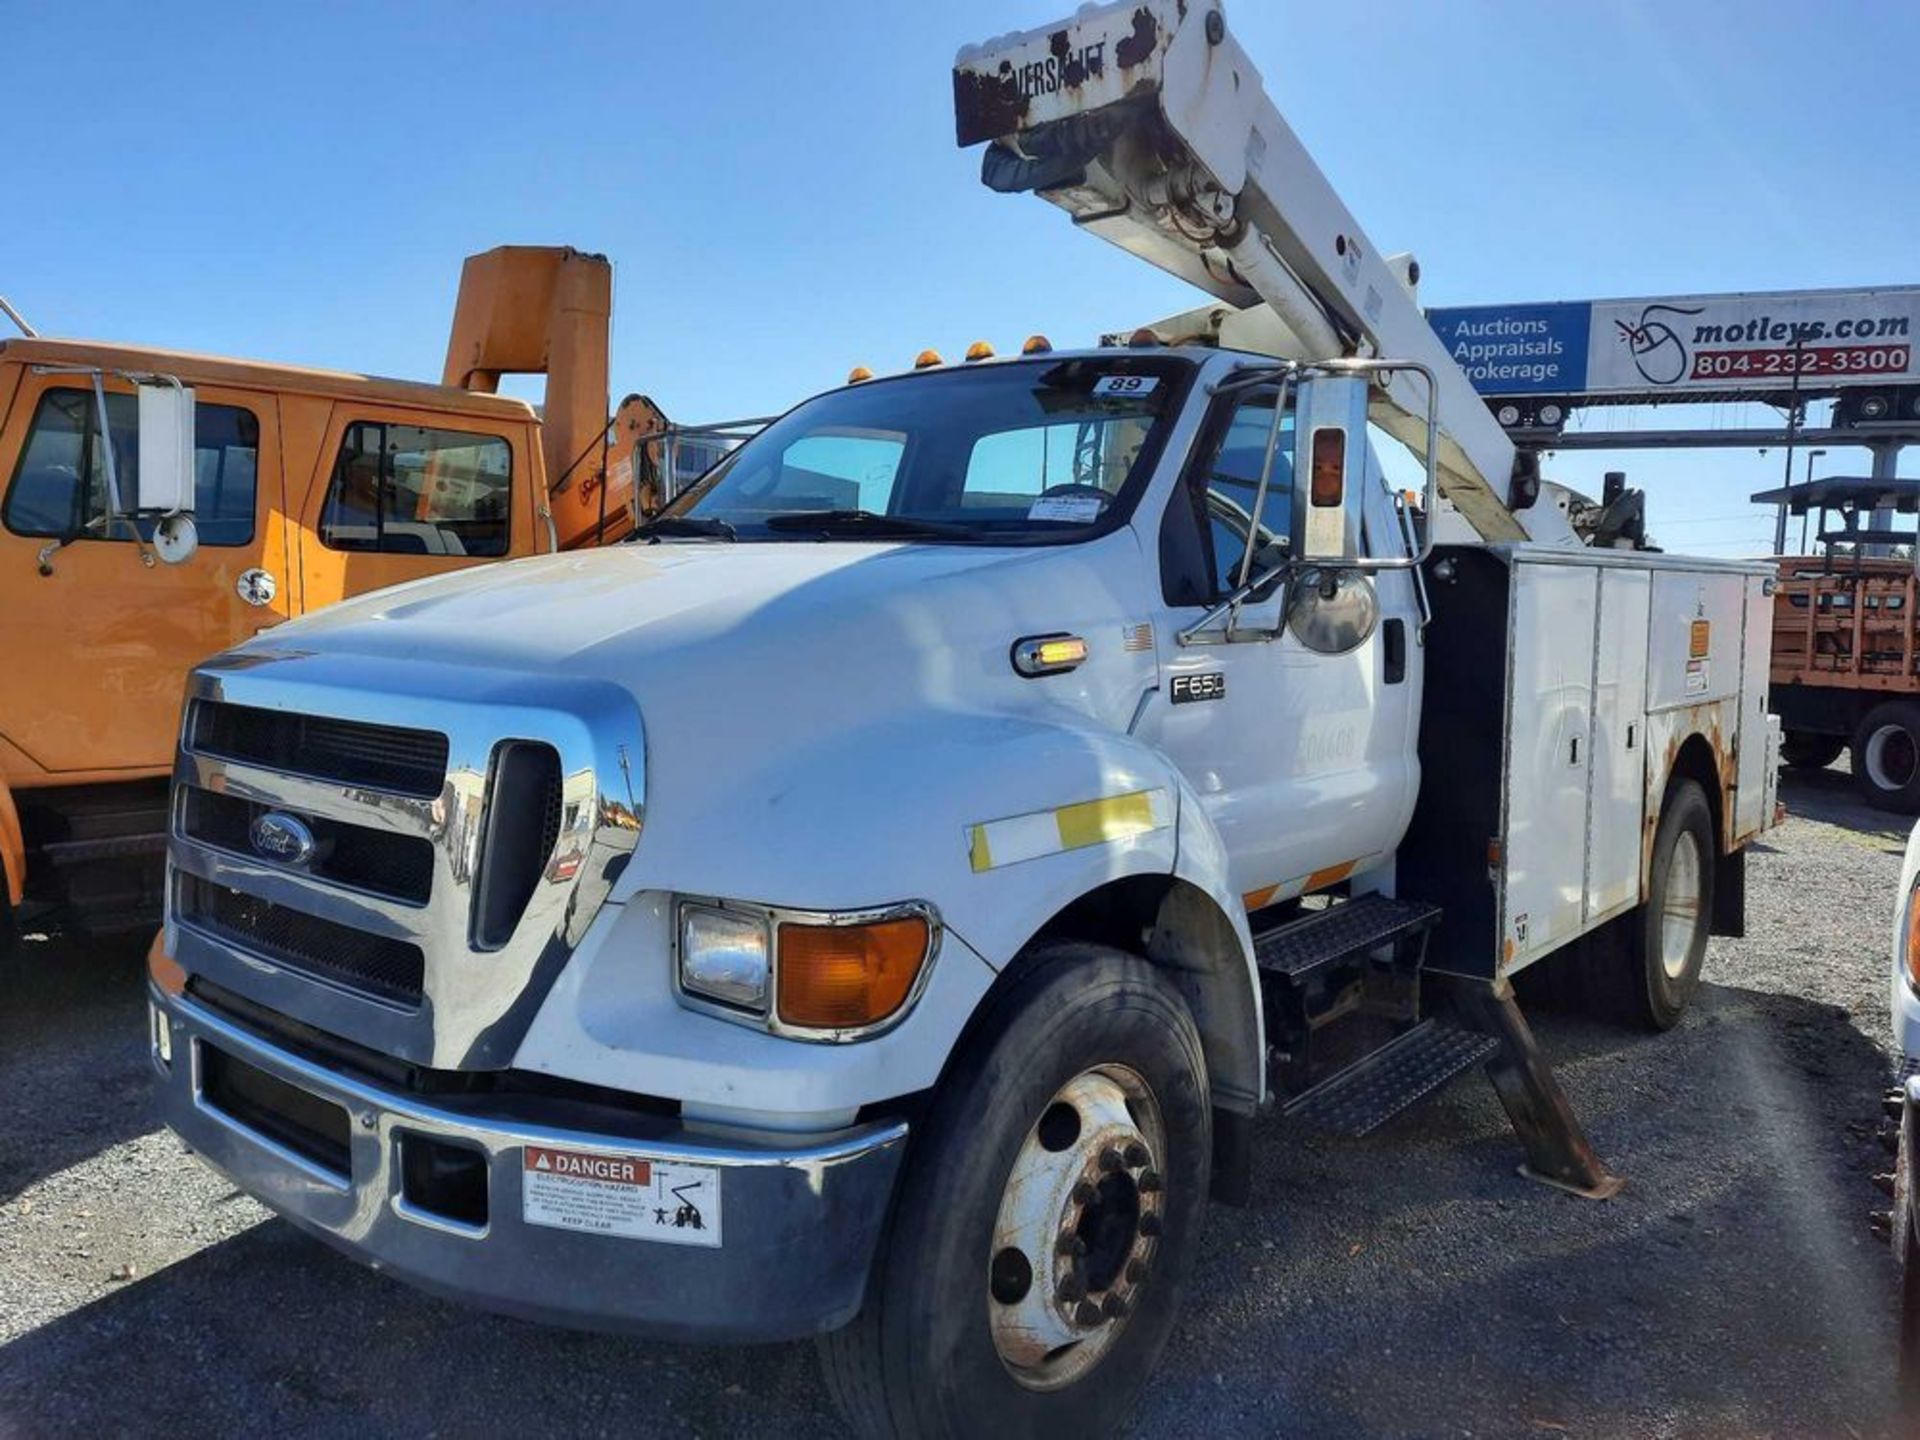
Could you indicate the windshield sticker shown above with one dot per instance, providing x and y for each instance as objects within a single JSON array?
[
  {"x": 1125, "y": 385},
  {"x": 1075, "y": 509}
]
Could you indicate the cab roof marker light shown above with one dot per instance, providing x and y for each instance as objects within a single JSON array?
[
  {"x": 979, "y": 350},
  {"x": 1038, "y": 655},
  {"x": 1037, "y": 345},
  {"x": 927, "y": 359},
  {"x": 857, "y": 374}
]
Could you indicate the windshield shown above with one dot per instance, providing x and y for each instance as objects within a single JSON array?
[{"x": 1008, "y": 453}]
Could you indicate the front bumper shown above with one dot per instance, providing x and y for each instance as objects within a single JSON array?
[{"x": 801, "y": 1216}]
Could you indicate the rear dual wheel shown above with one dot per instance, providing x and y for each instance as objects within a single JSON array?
[
  {"x": 1658, "y": 968},
  {"x": 1048, "y": 1217},
  {"x": 1886, "y": 757}
]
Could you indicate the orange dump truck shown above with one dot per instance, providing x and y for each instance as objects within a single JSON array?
[{"x": 296, "y": 488}]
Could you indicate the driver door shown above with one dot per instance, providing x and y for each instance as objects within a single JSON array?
[{"x": 1284, "y": 746}]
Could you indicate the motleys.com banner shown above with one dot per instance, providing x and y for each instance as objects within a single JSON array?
[{"x": 1688, "y": 342}]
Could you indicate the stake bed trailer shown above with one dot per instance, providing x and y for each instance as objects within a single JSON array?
[{"x": 879, "y": 906}]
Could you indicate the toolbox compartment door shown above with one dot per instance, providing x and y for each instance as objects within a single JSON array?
[
  {"x": 1550, "y": 673},
  {"x": 1617, "y": 802}
]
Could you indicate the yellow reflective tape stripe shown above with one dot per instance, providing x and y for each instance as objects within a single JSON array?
[
  {"x": 1095, "y": 822},
  {"x": 979, "y": 853},
  {"x": 996, "y": 843}
]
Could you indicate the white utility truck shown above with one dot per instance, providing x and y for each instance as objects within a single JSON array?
[{"x": 880, "y": 901}]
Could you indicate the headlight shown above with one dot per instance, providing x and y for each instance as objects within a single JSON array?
[
  {"x": 725, "y": 955},
  {"x": 808, "y": 974}
]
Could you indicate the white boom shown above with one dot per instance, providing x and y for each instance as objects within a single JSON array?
[{"x": 1146, "y": 122}]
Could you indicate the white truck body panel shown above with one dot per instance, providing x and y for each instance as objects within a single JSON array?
[
  {"x": 1616, "y": 659},
  {"x": 1617, "y": 803}
]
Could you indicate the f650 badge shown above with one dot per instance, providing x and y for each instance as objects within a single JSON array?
[{"x": 1202, "y": 685}]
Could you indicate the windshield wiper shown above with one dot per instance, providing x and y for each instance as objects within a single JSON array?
[
  {"x": 652, "y": 530},
  {"x": 867, "y": 522}
]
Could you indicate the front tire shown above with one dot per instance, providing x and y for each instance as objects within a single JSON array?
[
  {"x": 1667, "y": 941},
  {"x": 1048, "y": 1217},
  {"x": 1886, "y": 757}
]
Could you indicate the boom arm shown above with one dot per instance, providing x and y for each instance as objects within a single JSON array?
[{"x": 1146, "y": 122}]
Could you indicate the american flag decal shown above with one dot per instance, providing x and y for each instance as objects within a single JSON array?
[{"x": 1138, "y": 637}]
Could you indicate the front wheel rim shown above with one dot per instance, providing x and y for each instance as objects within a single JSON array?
[
  {"x": 1079, "y": 1228},
  {"x": 1890, "y": 757},
  {"x": 1680, "y": 907}
]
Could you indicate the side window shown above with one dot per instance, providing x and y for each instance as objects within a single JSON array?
[
  {"x": 60, "y": 486},
  {"x": 1203, "y": 543},
  {"x": 414, "y": 490}
]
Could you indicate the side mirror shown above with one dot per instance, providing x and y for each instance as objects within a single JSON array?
[
  {"x": 164, "y": 482},
  {"x": 1330, "y": 458}
]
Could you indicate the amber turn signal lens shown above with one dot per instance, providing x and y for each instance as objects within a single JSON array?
[
  {"x": 167, "y": 973},
  {"x": 1913, "y": 936},
  {"x": 1329, "y": 466},
  {"x": 834, "y": 977}
]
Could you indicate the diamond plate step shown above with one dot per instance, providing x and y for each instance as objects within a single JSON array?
[
  {"x": 1350, "y": 927},
  {"x": 1407, "y": 1069}
]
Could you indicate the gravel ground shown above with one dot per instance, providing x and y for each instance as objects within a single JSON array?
[{"x": 1409, "y": 1284}]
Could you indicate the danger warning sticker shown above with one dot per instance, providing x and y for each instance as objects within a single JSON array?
[{"x": 624, "y": 1195}]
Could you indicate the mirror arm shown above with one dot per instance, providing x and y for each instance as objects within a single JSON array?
[{"x": 1232, "y": 603}]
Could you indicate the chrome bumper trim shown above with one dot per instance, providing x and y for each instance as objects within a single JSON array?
[{"x": 803, "y": 1215}]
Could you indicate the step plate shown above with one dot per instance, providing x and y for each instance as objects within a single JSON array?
[
  {"x": 1371, "y": 1092},
  {"x": 1352, "y": 927}
]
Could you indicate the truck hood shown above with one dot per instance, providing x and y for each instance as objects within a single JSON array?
[
  {"x": 619, "y": 607},
  {"x": 786, "y": 688}
]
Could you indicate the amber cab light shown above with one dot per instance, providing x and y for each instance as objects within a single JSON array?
[
  {"x": 1329, "y": 466},
  {"x": 1912, "y": 938},
  {"x": 843, "y": 977}
]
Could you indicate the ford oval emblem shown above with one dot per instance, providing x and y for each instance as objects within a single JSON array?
[{"x": 280, "y": 836}]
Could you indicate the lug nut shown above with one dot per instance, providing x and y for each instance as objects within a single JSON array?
[
  {"x": 1073, "y": 1288},
  {"x": 1136, "y": 1155},
  {"x": 1110, "y": 1159},
  {"x": 1149, "y": 1225},
  {"x": 1884, "y": 1183},
  {"x": 1136, "y": 1271},
  {"x": 1149, "y": 1181},
  {"x": 1083, "y": 1193},
  {"x": 1890, "y": 1138},
  {"x": 1881, "y": 1223},
  {"x": 1071, "y": 1245},
  {"x": 1114, "y": 1306},
  {"x": 1087, "y": 1313},
  {"x": 1891, "y": 1104}
]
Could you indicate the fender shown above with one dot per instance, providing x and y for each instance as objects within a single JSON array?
[{"x": 910, "y": 796}]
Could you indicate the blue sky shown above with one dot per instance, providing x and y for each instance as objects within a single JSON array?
[{"x": 779, "y": 189}]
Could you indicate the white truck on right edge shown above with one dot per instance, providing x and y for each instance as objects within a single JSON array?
[{"x": 880, "y": 901}]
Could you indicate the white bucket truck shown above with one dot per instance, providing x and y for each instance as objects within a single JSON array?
[{"x": 879, "y": 902}]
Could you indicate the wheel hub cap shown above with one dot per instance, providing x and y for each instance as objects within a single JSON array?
[
  {"x": 1077, "y": 1233},
  {"x": 1680, "y": 915}
]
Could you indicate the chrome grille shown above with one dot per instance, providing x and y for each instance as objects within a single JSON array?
[
  {"x": 389, "y": 970},
  {"x": 397, "y": 866},
  {"x": 385, "y": 757},
  {"x": 465, "y": 827}
]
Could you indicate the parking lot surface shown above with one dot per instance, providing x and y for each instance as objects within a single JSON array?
[{"x": 1410, "y": 1284}]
